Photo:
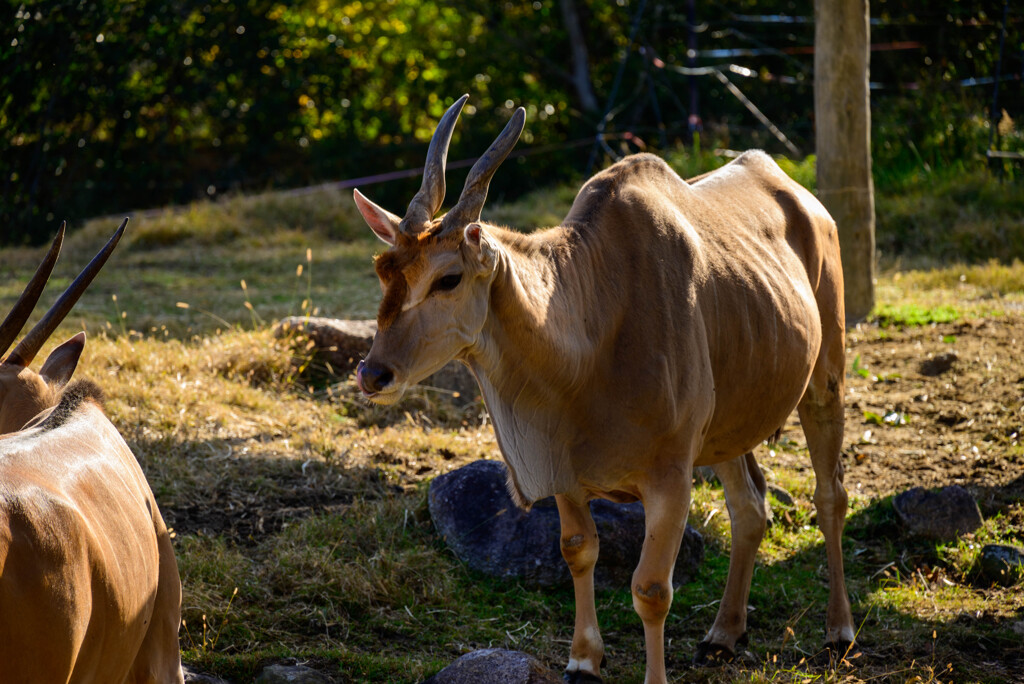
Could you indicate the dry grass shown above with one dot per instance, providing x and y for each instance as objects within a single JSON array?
[{"x": 276, "y": 489}]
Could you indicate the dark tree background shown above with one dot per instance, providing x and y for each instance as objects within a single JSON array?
[{"x": 111, "y": 106}]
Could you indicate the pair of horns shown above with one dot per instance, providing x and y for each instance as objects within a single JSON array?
[
  {"x": 37, "y": 336},
  {"x": 428, "y": 200}
]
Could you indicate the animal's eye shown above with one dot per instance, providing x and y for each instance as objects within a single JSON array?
[{"x": 448, "y": 282}]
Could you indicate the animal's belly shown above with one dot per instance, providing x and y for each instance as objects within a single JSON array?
[
  {"x": 735, "y": 437},
  {"x": 758, "y": 385}
]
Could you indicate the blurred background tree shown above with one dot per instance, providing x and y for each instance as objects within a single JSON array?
[{"x": 107, "y": 107}]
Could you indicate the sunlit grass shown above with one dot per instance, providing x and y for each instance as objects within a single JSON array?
[
  {"x": 911, "y": 315},
  {"x": 976, "y": 290}
]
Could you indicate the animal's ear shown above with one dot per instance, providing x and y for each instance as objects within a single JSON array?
[
  {"x": 383, "y": 222},
  {"x": 479, "y": 245},
  {"x": 61, "y": 363}
]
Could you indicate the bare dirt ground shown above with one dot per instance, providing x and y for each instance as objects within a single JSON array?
[
  {"x": 932, "y": 406},
  {"x": 963, "y": 424}
]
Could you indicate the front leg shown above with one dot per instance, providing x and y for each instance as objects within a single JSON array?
[
  {"x": 579, "y": 548},
  {"x": 666, "y": 500}
]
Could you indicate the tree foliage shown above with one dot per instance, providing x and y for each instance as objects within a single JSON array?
[{"x": 111, "y": 106}]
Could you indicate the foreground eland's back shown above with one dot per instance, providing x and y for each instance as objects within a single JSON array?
[{"x": 89, "y": 587}]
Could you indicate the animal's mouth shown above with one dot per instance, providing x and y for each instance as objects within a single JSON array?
[{"x": 385, "y": 397}]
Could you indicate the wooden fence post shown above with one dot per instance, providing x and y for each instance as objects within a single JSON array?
[{"x": 843, "y": 140}]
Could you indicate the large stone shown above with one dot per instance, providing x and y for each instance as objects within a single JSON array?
[
  {"x": 340, "y": 344},
  {"x": 495, "y": 666},
  {"x": 941, "y": 515},
  {"x": 480, "y": 523},
  {"x": 1001, "y": 564},
  {"x": 292, "y": 674},
  {"x": 702, "y": 474},
  {"x": 194, "y": 677}
]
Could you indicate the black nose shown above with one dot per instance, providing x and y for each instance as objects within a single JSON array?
[{"x": 374, "y": 377}]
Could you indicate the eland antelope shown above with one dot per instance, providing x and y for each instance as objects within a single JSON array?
[
  {"x": 665, "y": 324},
  {"x": 89, "y": 587}
]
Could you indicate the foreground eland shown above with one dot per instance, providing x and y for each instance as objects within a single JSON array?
[
  {"x": 665, "y": 324},
  {"x": 89, "y": 587}
]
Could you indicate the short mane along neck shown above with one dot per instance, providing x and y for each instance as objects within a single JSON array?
[
  {"x": 540, "y": 335},
  {"x": 535, "y": 351}
]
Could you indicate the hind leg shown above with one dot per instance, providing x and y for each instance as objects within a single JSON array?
[
  {"x": 745, "y": 490},
  {"x": 821, "y": 415}
]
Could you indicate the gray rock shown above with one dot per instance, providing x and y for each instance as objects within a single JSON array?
[
  {"x": 340, "y": 344},
  {"x": 939, "y": 364},
  {"x": 480, "y": 523},
  {"x": 495, "y": 666},
  {"x": 781, "y": 495},
  {"x": 941, "y": 515},
  {"x": 193, "y": 677},
  {"x": 292, "y": 674},
  {"x": 1001, "y": 564},
  {"x": 703, "y": 474}
]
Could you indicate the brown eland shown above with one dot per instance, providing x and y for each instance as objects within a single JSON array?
[
  {"x": 665, "y": 324},
  {"x": 89, "y": 587}
]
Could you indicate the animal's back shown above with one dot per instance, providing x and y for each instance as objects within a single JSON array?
[
  {"x": 749, "y": 200},
  {"x": 79, "y": 554},
  {"x": 760, "y": 203},
  {"x": 775, "y": 284},
  {"x": 725, "y": 270}
]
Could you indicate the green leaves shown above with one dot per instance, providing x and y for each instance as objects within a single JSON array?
[
  {"x": 858, "y": 369},
  {"x": 178, "y": 101},
  {"x": 891, "y": 417},
  {"x": 912, "y": 315}
]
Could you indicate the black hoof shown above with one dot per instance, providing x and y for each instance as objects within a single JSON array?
[
  {"x": 836, "y": 652},
  {"x": 710, "y": 655},
  {"x": 843, "y": 648}
]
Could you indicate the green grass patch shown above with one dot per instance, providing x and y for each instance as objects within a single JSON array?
[{"x": 911, "y": 315}]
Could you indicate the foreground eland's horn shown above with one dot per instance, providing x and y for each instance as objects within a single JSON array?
[
  {"x": 37, "y": 336},
  {"x": 15, "y": 320},
  {"x": 428, "y": 200}
]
